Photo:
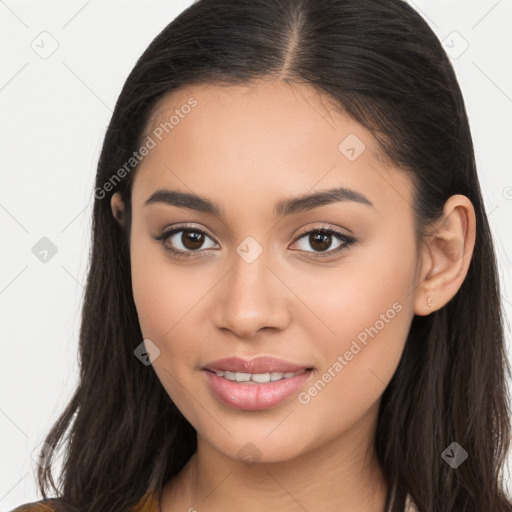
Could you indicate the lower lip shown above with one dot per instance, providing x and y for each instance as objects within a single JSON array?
[{"x": 255, "y": 397}]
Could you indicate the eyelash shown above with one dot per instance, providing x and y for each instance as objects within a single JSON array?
[{"x": 346, "y": 240}]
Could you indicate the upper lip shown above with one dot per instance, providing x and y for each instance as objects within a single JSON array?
[{"x": 263, "y": 364}]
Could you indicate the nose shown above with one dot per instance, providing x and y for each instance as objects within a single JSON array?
[{"x": 252, "y": 297}]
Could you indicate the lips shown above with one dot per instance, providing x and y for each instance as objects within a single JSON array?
[
  {"x": 255, "y": 384},
  {"x": 257, "y": 365},
  {"x": 251, "y": 396}
]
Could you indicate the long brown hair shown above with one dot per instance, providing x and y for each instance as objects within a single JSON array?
[{"x": 381, "y": 63}]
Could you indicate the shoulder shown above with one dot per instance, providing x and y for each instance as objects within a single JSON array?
[{"x": 37, "y": 506}]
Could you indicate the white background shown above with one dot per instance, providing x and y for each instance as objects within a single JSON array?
[{"x": 54, "y": 114}]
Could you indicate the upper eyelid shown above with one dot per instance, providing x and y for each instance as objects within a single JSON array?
[
  {"x": 324, "y": 227},
  {"x": 184, "y": 227}
]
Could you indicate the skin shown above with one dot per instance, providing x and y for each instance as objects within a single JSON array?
[{"x": 247, "y": 148}]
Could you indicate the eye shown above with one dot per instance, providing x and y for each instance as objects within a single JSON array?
[
  {"x": 187, "y": 240},
  {"x": 321, "y": 239}
]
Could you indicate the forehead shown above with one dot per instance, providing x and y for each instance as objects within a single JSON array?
[
  {"x": 273, "y": 138},
  {"x": 261, "y": 104}
]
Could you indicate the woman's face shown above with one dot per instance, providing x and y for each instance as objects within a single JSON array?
[{"x": 253, "y": 281}]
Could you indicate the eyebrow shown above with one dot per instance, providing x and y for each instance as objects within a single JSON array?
[{"x": 282, "y": 208}]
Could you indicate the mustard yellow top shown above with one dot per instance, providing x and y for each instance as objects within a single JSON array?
[{"x": 148, "y": 503}]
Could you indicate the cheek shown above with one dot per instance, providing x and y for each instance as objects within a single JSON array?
[
  {"x": 164, "y": 296},
  {"x": 168, "y": 298},
  {"x": 152, "y": 290},
  {"x": 154, "y": 286},
  {"x": 365, "y": 313},
  {"x": 369, "y": 279}
]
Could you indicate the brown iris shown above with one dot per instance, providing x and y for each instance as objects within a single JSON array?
[
  {"x": 320, "y": 240},
  {"x": 192, "y": 239}
]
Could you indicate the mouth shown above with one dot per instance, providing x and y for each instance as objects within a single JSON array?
[{"x": 255, "y": 384}]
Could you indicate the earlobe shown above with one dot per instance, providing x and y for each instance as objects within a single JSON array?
[
  {"x": 117, "y": 206},
  {"x": 447, "y": 254}
]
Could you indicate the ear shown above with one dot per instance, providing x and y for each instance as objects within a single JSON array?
[
  {"x": 446, "y": 255},
  {"x": 117, "y": 205}
]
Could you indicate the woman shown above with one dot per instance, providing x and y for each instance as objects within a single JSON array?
[{"x": 292, "y": 301}]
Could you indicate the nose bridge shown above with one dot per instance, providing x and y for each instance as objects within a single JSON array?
[{"x": 252, "y": 295}]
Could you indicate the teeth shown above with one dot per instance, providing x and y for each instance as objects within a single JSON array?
[
  {"x": 261, "y": 377},
  {"x": 258, "y": 378}
]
